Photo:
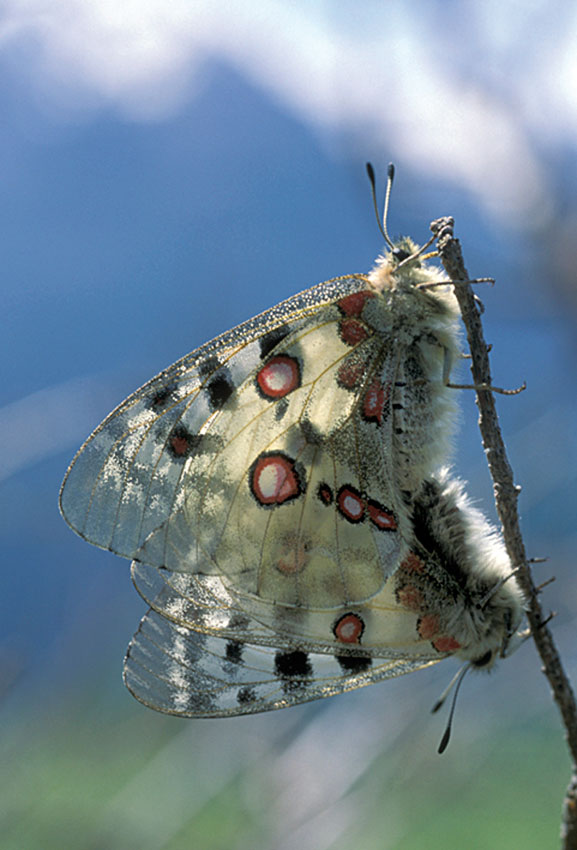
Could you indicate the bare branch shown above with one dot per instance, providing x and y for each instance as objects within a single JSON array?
[{"x": 506, "y": 496}]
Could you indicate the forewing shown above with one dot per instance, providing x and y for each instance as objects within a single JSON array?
[
  {"x": 127, "y": 479},
  {"x": 290, "y": 494},
  {"x": 270, "y": 463}
]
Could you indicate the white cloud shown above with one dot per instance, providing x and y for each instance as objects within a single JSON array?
[{"x": 463, "y": 91}]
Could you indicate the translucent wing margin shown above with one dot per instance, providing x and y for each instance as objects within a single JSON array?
[{"x": 184, "y": 672}]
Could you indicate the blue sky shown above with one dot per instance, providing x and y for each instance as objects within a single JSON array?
[
  {"x": 167, "y": 173},
  {"x": 169, "y": 170}
]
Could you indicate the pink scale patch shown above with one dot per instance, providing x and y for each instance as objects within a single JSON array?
[
  {"x": 274, "y": 479},
  {"x": 349, "y": 628},
  {"x": 352, "y": 305},
  {"x": 351, "y": 504},
  {"x": 428, "y": 626},
  {"x": 351, "y": 372},
  {"x": 353, "y": 331},
  {"x": 325, "y": 494},
  {"x": 375, "y": 400},
  {"x": 295, "y": 559},
  {"x": 446, "y": 644},
  {"x": 280, "y": 376},
  {"x": 381, "y": 517},
  {"x": 412, "y": 564},
  {"x": 410, "y": 597}
]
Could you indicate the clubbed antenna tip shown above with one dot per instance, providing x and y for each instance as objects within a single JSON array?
[
  {"x": 371, "y": 173},
  {"x": 383, "y": 224}
]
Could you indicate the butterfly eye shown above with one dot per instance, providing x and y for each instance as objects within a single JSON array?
[
  {"x": 400, "y": 254},
  {"x": 484, "y": 660}
]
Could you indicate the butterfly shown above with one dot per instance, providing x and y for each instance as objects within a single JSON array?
[{"x": 282, "y": 496}]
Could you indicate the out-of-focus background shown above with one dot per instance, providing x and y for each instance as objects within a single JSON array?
[{"x": 168, "y": 170}]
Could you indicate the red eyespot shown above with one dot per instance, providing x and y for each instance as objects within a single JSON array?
[
  {"x": 279, "y": 377},
  {"x": 274, "y": 479},
  {"x": 376, "y": 401},
  {"x": 349, "y": 628},
  {"x": 351, "y": 504},
  {"x": 410, "y": 597},
  {"x": 351, "y": 372},
  {"x": 412, "y": 564},
  {"x": 381, "y": 517}
]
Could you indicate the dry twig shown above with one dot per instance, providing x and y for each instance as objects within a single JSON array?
[{"x": 506, "y": 496}]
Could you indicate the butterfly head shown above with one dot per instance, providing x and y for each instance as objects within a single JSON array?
[
  {"x": 402, "y": 270},
  {"x": 402, "y": 251},
  {"x": 494, "y": 621},
  {"x": 495, "y": 618}
]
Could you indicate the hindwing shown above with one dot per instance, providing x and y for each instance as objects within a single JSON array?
[{"x": 182, "y": 671}]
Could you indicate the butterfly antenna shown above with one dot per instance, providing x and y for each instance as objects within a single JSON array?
[
  {"x": 441, "y": 701},
  {"x": 390, "y": 176},
  {"x": 456, "y": 681}
]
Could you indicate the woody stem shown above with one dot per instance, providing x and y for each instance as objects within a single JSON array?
[{"x": 506, "y": 496}]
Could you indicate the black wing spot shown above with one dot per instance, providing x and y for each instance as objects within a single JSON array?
[
  {"x": 280, "y": 409},
  {"x": 289, "y": 664},
  {"x": 219, "y": 391},
  {"x": 270, "y": 340},
  {"x": 181, "y": 443},
  {"x": 238, "y": 621},
  {"x": 325, "y": 494},
  {"x": 234, "y": 651},
  {"x": 311, "y": 433},
  {"x": 246, "y": 695},
  {"x": 354, "y": 663},
  {"x": 161, "y": 397}
]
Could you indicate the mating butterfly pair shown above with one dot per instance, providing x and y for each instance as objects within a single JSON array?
[{"x": 281, "y": 493}]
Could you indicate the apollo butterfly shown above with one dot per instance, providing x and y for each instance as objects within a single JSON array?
[{"x": 281, "y": 494}]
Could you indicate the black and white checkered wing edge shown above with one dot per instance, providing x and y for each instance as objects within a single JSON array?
[{"x": 179, "y": 671}]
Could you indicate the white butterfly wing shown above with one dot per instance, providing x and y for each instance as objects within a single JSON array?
[
  {"x": 269, "y": 463},
  {"x": 388, "y": 628},
  {"x": 126, "y": 480},
  {"x": 180, "y": 671},
  {"x": 284, "y": 505}
]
